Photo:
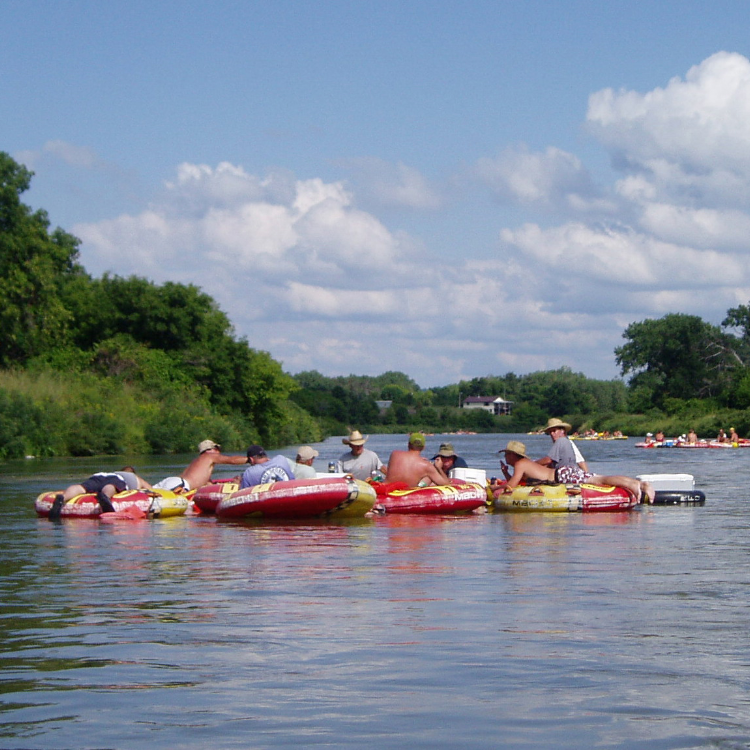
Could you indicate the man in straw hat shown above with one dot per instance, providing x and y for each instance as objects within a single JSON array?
[
  {"x": 358, "y": 460},
  {"x": 524, "y": 468},
  {"x": 563, "y": 451},
  {"x": 412, "y": 468}
]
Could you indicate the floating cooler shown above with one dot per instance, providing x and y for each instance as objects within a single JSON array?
[
  {"x": 469, "y": 475},
  {"x": 673, "y": 482}
]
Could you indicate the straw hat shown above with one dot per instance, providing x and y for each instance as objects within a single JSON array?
[
  {"x": 515, "y": 446},
  {"x": 555, "y": 422},
  {"x": 355, "y": 438}
]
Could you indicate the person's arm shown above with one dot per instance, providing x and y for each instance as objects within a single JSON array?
[
  {"x": 499, "y": 485},
  {"x": 511, "y": 480},
  {"x": 142, "y": 483},
  {"x": 221, "y": 459},
  {"x": 436, "y": 474},
  {"x": 515, "y": 480},
  {"x": 545, "y": 461},
  {"x": 245, "y": 481}
]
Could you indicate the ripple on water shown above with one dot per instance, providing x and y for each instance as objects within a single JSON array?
[{"x": 620, "y": 630}]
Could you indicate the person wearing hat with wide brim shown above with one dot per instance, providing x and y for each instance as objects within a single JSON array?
[
  {"x": 514, "y": 455},
  {"x": 563, "y": 451},
  {"x": 412, "y": 468},
  {"x": 359, "y": 461},
  {"x": 199, "y": 470},
  {"x": 524, "y": 468},
  {"x": 446, "y": 459}
]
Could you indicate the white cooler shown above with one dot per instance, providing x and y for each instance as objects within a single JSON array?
[
  {"x": 674, "y": 482},
  {"x": 469, "y": 475}
]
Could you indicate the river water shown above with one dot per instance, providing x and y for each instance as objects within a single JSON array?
[{"x": 626, "y": 630}]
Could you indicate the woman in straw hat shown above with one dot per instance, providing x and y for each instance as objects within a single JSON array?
[
  {"x": 358, "y": 460},
  {"x": 524, "y": 468}
]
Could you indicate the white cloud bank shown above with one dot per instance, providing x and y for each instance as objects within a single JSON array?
[{"x": 320, "y": 283}]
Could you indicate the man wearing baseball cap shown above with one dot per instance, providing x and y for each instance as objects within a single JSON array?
[
  {"x": 303, "y": 465},
  {"x": 198, "y": 473},
  {"x": 263, "y": 469},
  {"x": 412, "y": 468}
]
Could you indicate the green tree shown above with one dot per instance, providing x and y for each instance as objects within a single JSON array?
[
  {"x": 33, "y": 263},
  {"x": 677, "y": 356},
  {"x": 176, "y": 331},
  {"x": 739, "y": 317},
  {"x": 401, "y": 414}
]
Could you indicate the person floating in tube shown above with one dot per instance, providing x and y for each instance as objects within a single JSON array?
[{"x": 525, "y": 468}]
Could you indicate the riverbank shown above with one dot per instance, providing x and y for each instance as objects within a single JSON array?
[{"x": 52, "y": 413}]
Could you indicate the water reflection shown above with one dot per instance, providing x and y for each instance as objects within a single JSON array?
[{"x": 566, "y": 630}]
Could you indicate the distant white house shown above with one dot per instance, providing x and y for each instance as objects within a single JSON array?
[
  {"x": 492, "y": 404},
  {"x": 383, "y": 405}
]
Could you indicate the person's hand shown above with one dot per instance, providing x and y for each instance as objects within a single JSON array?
[{"x": 498, "y": 487}]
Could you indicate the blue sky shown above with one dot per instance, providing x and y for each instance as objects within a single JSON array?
[{"x": 447, "y": 189}]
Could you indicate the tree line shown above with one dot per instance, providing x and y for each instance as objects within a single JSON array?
[
  {"x": 352, "y": 400},
  {"x": 69, "y": 341},
  {"x": 117, "y": 365}
]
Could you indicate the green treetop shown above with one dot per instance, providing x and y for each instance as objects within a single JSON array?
[{"x": 33, "y": 262}]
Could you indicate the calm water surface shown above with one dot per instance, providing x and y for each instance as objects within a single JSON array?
[{"x": 568, "y": 631}]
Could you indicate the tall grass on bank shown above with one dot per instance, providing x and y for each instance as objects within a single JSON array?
[{"x": 51, "y": 413}]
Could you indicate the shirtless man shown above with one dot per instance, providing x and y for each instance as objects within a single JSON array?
[
  {"x": 525, "y": 468},
  {"x": 411, "y": 467},
  {"x": 198, "y": 473}
]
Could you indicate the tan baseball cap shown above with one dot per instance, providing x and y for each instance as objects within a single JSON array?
[{"x": 305, "y": 453}]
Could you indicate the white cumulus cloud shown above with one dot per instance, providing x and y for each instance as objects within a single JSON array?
[
  {"x": 309, "y": 270},
  {"x": 690, "y": 137},
  {"x": 392, "y": 185},
  {"x": 549, "y": 178}
]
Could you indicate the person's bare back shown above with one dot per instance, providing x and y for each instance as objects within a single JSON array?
[
  {"x": 412, "y": 468},
  {"x": 199, "y": 471}
]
